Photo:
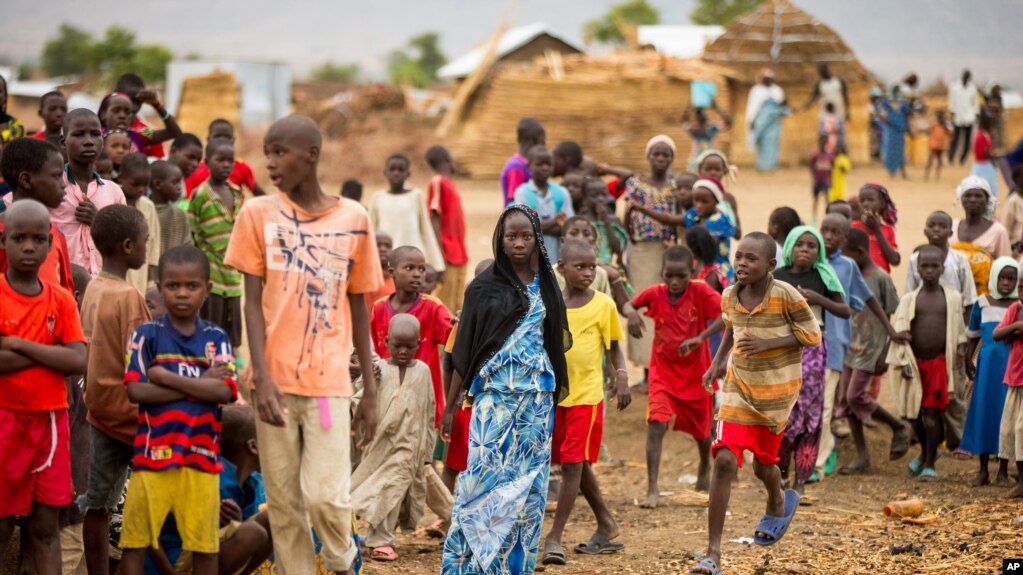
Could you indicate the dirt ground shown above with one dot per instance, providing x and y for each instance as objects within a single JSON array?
[{"x": 842, "y": 529}]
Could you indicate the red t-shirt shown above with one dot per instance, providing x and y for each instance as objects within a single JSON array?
[
  {"x": 240, "y": 176},
  {"x": 151, "y": 150},
  {"x": 1014, "y": 368},
  {"x": 674, "y": 323},
  {"x": 442, "y": 197},
  {"x": 434, "y": 329},
  {"x": 614, "y": 189},
  {"x": 49, "y": 318},
  {"x": 982, "y": 147},
  {"x": 40, "y": 135},
  {"x": 875, "y": 247},
  {"x": 56, "y": 268}
]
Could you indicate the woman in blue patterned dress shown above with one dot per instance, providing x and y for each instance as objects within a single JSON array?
[{"x": 510, "y": 355}]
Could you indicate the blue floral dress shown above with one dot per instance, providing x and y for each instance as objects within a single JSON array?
[{"x": 497, "y": 517}]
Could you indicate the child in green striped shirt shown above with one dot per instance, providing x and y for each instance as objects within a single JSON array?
[{"x": 211, "y": 213}]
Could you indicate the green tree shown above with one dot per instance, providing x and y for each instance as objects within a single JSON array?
[
  {"x": 417, "y": 66},
  {"x": 608, "y": 28},
  {"x": 150, "y": 61},
  {"x": 68, "y": 53},
  {"x": 334, "y": 72},
  {"x": 721, "y": 12},
  {"x": 114, "y": 54}
]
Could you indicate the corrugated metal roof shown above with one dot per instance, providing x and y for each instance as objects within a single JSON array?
[
  {"x": 512, "y": 40},
  {"x": 678, "y": 41}
]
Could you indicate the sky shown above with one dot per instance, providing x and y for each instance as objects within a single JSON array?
[{"x": 935, "y": 38}]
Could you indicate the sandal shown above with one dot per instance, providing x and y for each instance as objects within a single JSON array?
[
  {"x": 928, "y": 474},
  {"x": 706, "y": 567},
  {"x": 553, "y": 554},
  {"x": 916, "y": 464},
  {"x": 598, "y": 545},
  {"x": 384, "y": 553},
  {"x": 438, "y": 529},
  {"x": 771, "y": 529}
]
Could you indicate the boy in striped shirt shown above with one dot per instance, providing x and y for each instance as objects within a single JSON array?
[
  {"x": 180, "y": 371},
  {"x": 211, "y": 213},
  {"x": 769, "y": 323}
]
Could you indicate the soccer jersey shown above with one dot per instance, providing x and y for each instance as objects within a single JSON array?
[
  {"x": 186, "y": 432},
  {"x": 435, "y": 327}
]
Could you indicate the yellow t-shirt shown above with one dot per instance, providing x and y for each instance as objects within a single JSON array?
[
  {"x": 841, "y": 168},
  {"x": 594, "y": 326}
]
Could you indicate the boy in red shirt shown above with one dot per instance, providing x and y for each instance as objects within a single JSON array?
[
  {"x": 407, "y": 267},
  {"x": 41, "y": 341},
  {"x": 445, "y": 205},
  {"x": 241, "y": 175},
  {"x": 681, "y": 310},
  {"x": 35, "y": 170}
]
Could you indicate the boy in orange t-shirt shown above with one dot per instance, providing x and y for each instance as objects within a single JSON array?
[
  {"x": 445, "y": 205},
  {"x": 309, "y": 259},
  {"x": 42, "y": 341}
]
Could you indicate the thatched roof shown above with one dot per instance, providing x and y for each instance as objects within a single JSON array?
[{"x": 790, "y": 41}]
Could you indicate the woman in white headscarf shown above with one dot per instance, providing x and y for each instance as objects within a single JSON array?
[
  {"x": 977, "y": 234},
  {"x": 765, "y": 110}
]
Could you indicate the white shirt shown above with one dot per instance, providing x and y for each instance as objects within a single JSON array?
[
  {"x": 405, "y": 219},
  {"x": 759, "y": 94},
  {"x": 830, "y": 91},
  {"x": 963, "y": 103}
]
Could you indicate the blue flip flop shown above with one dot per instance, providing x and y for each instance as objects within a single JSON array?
[
  {"x": 771, "y": 529},
  {"x": 706, "y": 567}
]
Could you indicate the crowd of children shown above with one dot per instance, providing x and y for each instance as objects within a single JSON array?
[{"x": 130, "y": 278}]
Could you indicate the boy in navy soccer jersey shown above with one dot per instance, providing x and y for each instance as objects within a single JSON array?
[{"x": 180, "y": 371}]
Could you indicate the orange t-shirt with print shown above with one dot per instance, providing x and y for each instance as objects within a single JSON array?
[{"x": 310, "y": 262}]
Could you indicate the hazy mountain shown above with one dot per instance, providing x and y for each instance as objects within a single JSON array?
[{"x": 933, "y": 37}]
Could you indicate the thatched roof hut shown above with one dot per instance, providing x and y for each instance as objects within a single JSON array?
[
  {"x": 780, "y": 36},
  {"x": 611, "y": 104}
]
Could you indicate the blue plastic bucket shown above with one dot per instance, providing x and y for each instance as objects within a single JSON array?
[{"x": 701, "y": 93}]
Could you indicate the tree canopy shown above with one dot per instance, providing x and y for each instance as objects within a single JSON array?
[
  {"x": 335, "y": 72},
  {"x": 720, "y": 12},
  {"x": 418, "y": 64},
  {"x": 75, "y": 51},
  {"x": 608, "y": 28}
]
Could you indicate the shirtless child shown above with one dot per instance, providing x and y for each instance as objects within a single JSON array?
[{"x": 933, "y": 317}]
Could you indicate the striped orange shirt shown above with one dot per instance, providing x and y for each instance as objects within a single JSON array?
[{"x": 760, "y": 389}]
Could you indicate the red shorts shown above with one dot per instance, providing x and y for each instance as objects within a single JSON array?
[
  {"x": 34, "y": 467},
  {"x": 934, "y": 380},
  {"x": 736, "y": 437},
  {"x": 458, "y": 448},
  {"x": 578, "y": 431},
  {"x": 693, "y": 416}
]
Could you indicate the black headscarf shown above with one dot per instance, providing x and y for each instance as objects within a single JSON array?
[{"x": 495, "y": 303}]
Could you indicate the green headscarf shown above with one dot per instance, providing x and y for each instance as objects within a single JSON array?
[
  {"x": 996, "y": 269},
  {"x": 822, "y": 266}
]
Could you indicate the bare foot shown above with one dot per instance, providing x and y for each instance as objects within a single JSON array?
[
  {"x": 703, "y": 477},
  {"x": 651, "y": 500},
  {"x": 610, "y": 530},
  {"x": 776, "y": 504},
  {"x": 1002, "y": 480},
  {"x": 859, "y": 466},
  {"x": 1017, "y": 492},
  {"x": 982, "y": 478}
]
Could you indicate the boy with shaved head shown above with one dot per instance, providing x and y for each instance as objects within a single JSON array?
[
  {"x": 308, "y": 261},
  {"x": 768, "y": 323}
]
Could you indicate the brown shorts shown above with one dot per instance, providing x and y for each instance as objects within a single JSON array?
[{"x": 227, "y": 313}]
